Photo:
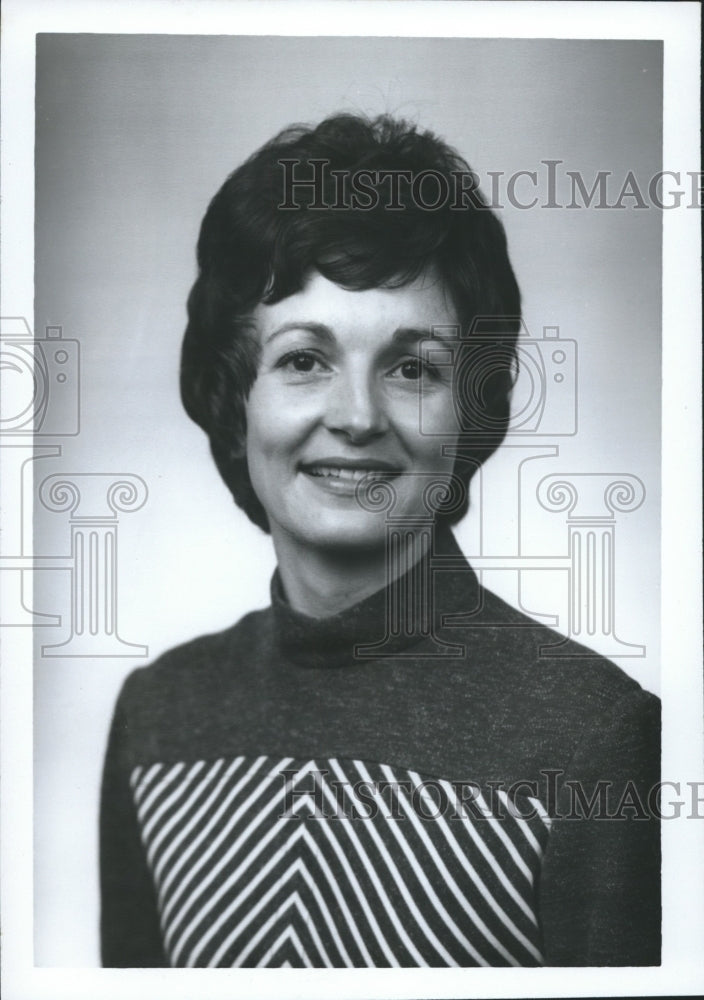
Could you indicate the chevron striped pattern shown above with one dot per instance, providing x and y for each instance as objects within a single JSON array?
[{"x": 337, "y": 863}]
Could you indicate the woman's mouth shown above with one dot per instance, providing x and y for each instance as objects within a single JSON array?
[
  {"x": 346, "y": 478},
  {"x": 351, "y": 475}
]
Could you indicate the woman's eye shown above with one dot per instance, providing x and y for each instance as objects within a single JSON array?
[
  {"x": 302, "y": 362},
  {"x": 412, "y": 370}
]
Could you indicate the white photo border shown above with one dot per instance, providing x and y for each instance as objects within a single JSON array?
[{"x": 678, "y": 26}]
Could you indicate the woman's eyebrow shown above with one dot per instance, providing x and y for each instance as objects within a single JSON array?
[
  {"x": 319, "y": 330},
  {"x": 402, "y": 336},
  {"x": 412, "y": 335}
]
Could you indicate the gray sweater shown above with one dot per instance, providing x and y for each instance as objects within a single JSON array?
[{"x": 272, "y": 797}]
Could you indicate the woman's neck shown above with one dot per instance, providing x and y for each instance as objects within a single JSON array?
[{"x": 323, "y": 582}]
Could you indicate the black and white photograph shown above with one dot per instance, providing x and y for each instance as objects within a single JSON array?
[{"x": 350, "y": 455}]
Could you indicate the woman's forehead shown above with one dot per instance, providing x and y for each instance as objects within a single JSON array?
[{"x": 421, "y": 304}]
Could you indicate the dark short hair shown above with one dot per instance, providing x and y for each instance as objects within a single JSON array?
[{"x": 250, "y": 251}]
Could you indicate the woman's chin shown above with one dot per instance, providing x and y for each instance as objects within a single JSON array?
[
  {"x": 369, "y": 533},
  {"x": 331, "y": 518},
  {"x": 340, "y": 531}
]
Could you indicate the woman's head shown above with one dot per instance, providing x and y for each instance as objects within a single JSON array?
[{"x": 365, "y": 224}]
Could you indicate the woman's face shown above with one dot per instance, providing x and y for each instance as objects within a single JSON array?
[{"x": 338, "y": 395}]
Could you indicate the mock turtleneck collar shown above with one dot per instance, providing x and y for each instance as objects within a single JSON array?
[{"x": 331, "y": 641}]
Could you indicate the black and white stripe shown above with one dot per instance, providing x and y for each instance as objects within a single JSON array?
[{"x": 249, "y": 872}]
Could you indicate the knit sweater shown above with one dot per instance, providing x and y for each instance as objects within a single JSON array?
[{"x": 475, "y": 793}]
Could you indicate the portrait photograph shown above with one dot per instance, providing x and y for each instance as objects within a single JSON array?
[{"x": 351, "y": 436}]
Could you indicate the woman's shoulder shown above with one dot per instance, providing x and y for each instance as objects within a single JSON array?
[
  {"x": 202, "y": 661},
  {"x": 550, "y": 669},
  {"x": 552, "y": 702},
  {"x": 185, "y": 705}
]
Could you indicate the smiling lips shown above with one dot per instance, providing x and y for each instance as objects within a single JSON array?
[{"x": 342, "y": 474}]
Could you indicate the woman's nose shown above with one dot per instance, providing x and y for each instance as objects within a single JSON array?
[{"x": 356, "y": 408}]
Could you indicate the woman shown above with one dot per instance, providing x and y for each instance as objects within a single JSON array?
[{"x": 384, "y": 768}]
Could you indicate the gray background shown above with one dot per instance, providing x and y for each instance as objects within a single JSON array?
[{"x": 134, "y": 135}]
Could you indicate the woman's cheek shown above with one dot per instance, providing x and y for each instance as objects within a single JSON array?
[{"x": 428, "y": 423}]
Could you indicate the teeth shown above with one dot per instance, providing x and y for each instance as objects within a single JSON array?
[{"x": 352, "y": 475}]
